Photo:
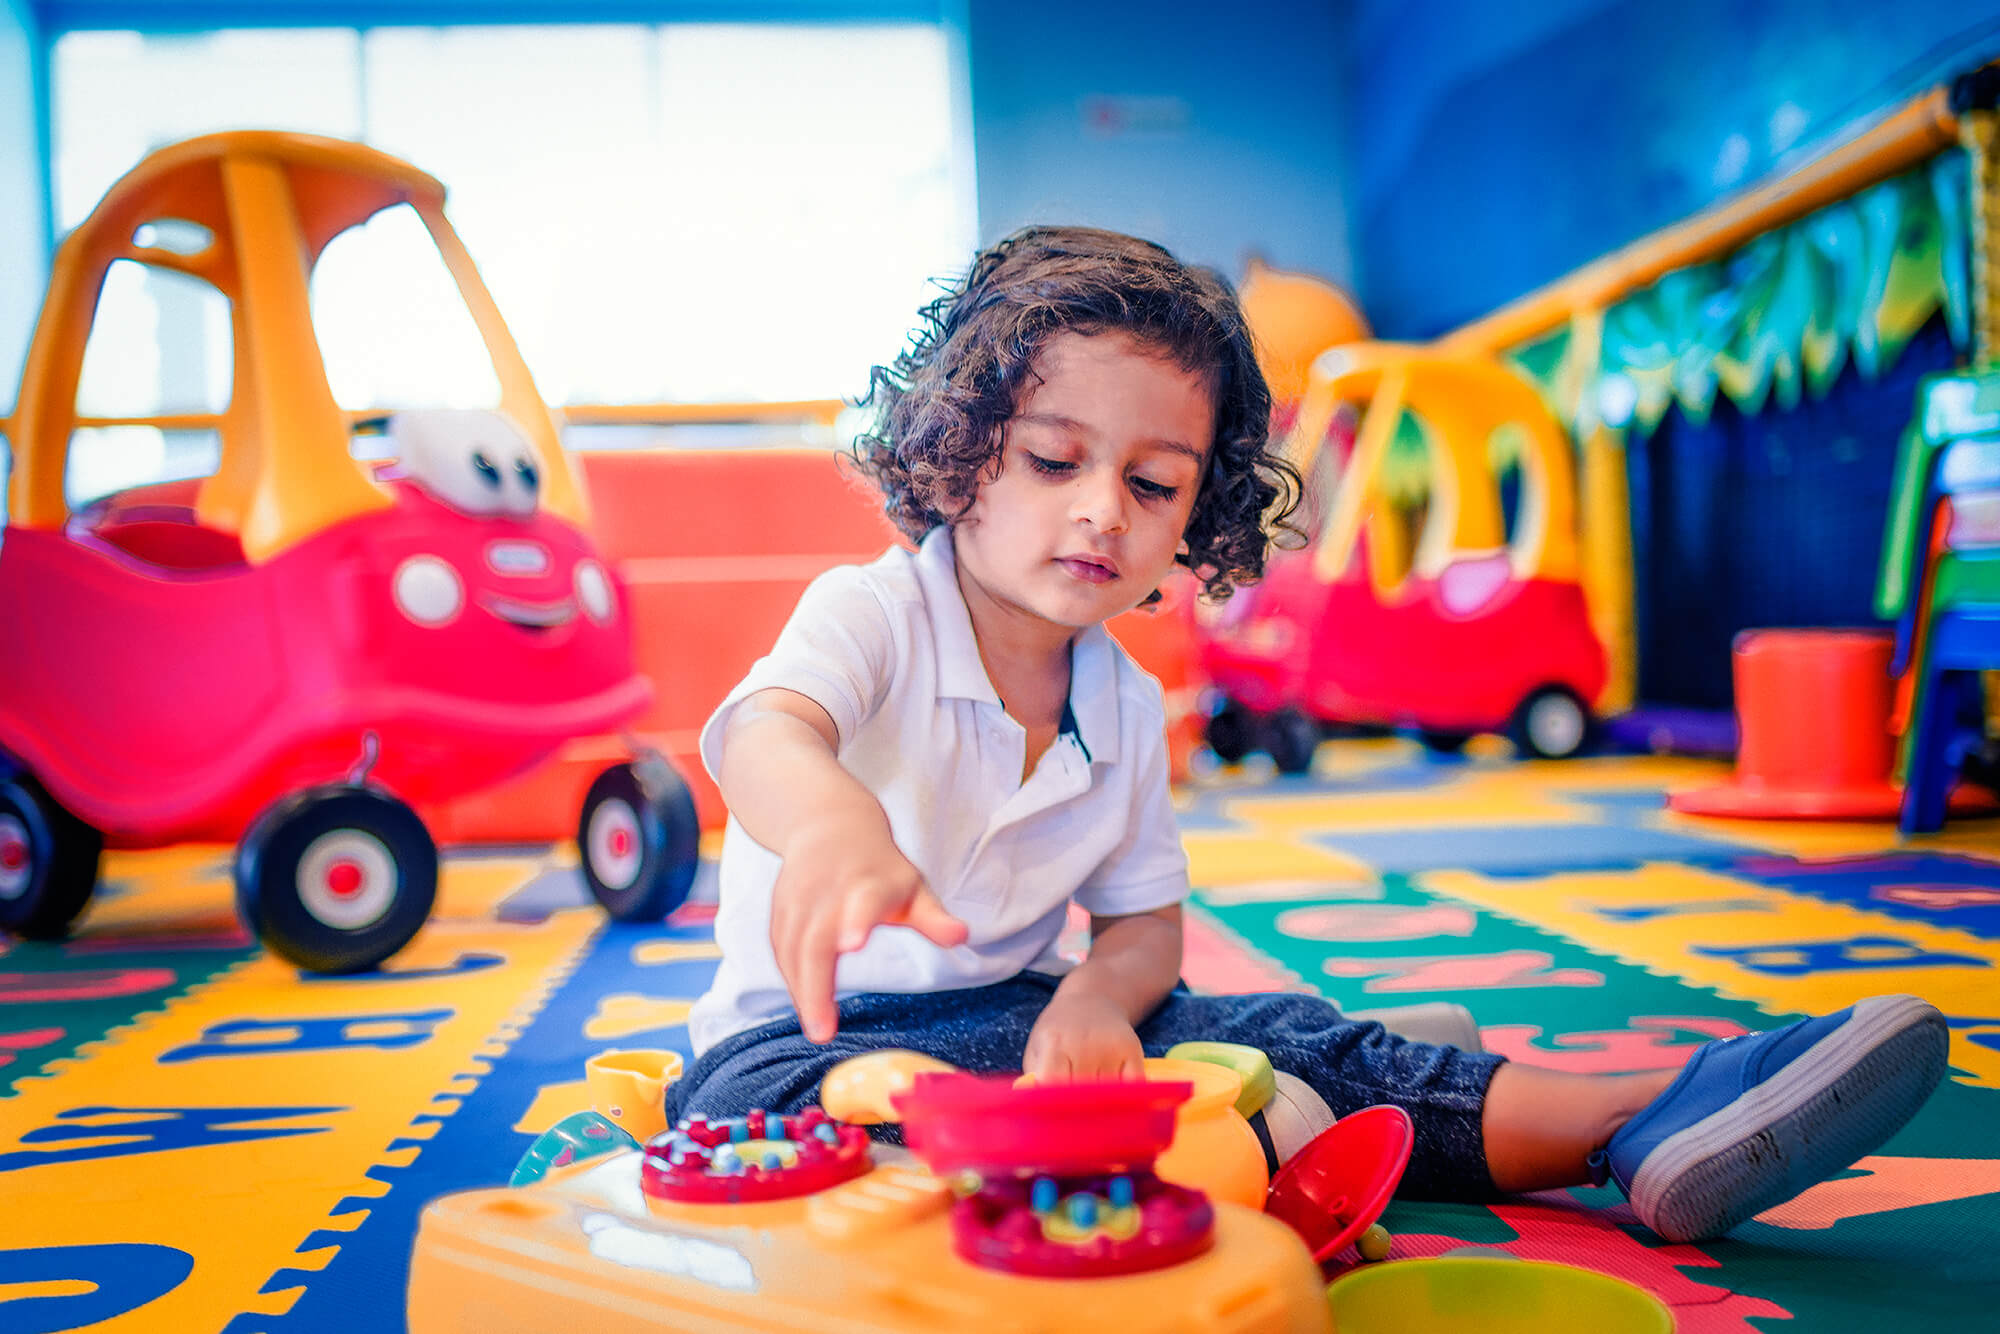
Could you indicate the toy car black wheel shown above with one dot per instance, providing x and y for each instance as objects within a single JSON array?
[
  {"x": 336, "y": 879},
  {"x": 1552, "y": 724},
  {"x": 1443, "y": 743},
  {"x": 48, "y": 861},
  {"x": 1291, "y": 738},
  {"x": 638, "y": 840},
  {"x": 1231, "y": 732}
]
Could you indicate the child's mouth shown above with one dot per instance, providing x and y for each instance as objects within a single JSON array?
[{"x": 1086, "y": 569}]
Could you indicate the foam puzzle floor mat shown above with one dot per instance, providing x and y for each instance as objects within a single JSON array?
[{"x": 195, "y": 1136}]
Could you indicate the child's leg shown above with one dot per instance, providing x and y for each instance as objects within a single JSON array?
[
  {"x": 1747, "y": 1123},
  {"x": 1541, "y": 1126}
]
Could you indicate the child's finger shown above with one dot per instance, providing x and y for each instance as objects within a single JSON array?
[
  {"x": 927, "y": 913},
  {"x": 811, "y": 981},
  {"x": 861, "y": 914},
  {"x": 1101, "y": 1065}
]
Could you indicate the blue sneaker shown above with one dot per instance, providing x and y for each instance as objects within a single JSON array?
[{"x": 1754, "y": 1120}]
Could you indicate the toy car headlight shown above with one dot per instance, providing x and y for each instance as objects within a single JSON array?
[
  {"x": 428, "y": 590},
  {"x": 593, "y": 590}
]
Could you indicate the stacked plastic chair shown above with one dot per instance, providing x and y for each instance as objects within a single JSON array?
[{"x": 1940, "y": 582}]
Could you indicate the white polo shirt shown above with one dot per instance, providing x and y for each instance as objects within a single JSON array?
[{"x": 887, "y": 650}]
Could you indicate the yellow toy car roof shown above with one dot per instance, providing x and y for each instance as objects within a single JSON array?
[{"x": 271, "y": 201}]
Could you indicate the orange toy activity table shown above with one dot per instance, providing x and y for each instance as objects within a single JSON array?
[
  {"x": 585, "y": 1249},
  {"x": 1039, "y": 1211}
]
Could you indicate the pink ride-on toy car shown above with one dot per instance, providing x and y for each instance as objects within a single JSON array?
[
  {"x": 294, "y": 650},
  {"x": 1460, "y": 628}
]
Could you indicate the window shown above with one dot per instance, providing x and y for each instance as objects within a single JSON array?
[
  {"x": 391, "y": 325},
  {"x": 679, "y": 212},
  {"x": 103, "y": 459},
  {"x": 159, "y": 344}
]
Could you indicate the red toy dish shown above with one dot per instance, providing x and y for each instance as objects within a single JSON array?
[
  {"x": 983, "y": 1123},
  {"x": 1335, "y": 1187}
]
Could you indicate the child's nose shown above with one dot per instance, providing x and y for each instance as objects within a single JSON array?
[{"x": 1100, "y": 502}]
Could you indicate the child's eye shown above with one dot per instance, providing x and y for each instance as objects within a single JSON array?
[
  {"x": 1151, "y": 490},
  {"x": 1050, "y": 467}
]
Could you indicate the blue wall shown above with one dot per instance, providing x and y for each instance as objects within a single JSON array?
[
  {"x": 1496, "y": 147},
  {"x": 23, "y": 194},
  {"x": 1230, "y": 134}
]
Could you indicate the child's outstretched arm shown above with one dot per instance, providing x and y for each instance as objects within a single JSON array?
[
  {"x": 843, "y": 874},
  {"x": 1086, "y": 1029}
]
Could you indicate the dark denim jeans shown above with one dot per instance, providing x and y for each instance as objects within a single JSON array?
[{"x": 985, "y": 1029}]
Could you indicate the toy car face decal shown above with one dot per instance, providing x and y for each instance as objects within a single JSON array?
[
  {"x": 535, "y": 581},
  {"x": 477, "y": 462},
  {"x": 529, "y": 615},
  {"x": 428, "y": 590},
  {"x": 593, "y": 590},
  {"x": 518, "y": 559}
]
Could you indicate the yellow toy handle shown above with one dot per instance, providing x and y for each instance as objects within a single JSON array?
[
  {"x": 1260, "y": 1081},
  {"x": 858, "y": 1090}
]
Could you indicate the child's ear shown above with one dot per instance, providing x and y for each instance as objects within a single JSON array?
[{"x": 1183, "y": 549}]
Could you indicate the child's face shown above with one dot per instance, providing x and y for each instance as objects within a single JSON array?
[{"x": 1098, "y": 473}]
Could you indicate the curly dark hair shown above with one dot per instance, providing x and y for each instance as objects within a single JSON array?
[{"x": 941, "y": 405}]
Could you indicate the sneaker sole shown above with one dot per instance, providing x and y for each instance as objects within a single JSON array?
[{"x": 1842, "y": 1098}]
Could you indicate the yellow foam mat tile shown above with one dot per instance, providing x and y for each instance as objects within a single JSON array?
[
  {"x": 242, "y": 1208},
  {"x": 1233, "y": 857},
  {"x": 623, "y": 1013},
  {"x": 472, "y": 888},
  {"x": 674, "y": 951},
  {"x": 552, "y": 1103},
  {"x": 168, "y": 891}
]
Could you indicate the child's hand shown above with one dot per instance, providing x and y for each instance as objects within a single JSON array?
[
  {"x": 836, "y": 886},
  {"x": 1083, "y": 1037}
]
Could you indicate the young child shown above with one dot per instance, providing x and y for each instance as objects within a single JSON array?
[{"x": 945, "y": 749}]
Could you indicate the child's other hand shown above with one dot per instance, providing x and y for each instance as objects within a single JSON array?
[
  {"x": 834, "y": 888},
  {"x": 1083, "y": 1037}
]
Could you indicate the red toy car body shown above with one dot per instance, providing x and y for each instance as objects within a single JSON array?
[{"x": 167, "y": 702}]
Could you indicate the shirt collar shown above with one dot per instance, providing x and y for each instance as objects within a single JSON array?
[
  {"x": 1093, "y": 667},
  {"x": 1093, "y": 693},
  {"x": 960, "y": 673}
]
